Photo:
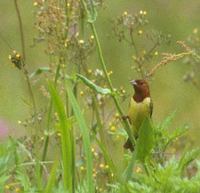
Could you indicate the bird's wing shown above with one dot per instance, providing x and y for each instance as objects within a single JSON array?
[{"x": 151, "y": 108}]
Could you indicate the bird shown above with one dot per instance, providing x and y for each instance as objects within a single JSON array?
[{"x": 140, "y": 108}]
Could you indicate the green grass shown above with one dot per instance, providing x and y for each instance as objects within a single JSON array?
[{"x": 72, "y": 140}]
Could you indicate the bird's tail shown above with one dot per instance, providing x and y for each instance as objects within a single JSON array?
[{"x": 129, "y": 145}]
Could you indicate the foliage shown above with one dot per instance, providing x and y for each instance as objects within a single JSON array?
[{"x": 74, "y": 141}]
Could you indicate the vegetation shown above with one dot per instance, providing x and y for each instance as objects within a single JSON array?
[{"x": 74, "y": 133}]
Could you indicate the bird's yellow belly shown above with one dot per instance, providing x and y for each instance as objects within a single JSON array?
[{"x": 138, "y": 112}]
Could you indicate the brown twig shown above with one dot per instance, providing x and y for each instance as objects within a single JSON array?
[{"x": 168, "y": 57}]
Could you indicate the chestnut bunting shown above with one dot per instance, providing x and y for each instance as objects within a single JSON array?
[{"x": 141, "y": 107}]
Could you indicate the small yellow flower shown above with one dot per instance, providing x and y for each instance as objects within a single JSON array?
[
  {"x": 35, "y": 3},
  {"x": 18, "y": 56},
  {"x": 17, "y": 189},
  {"x": 125, "y": 13},
  {"x": 81, "y": 93},
  {"x": 82, "y": 168},
  {"x": 7, "y": 187},
  {"x": 156, "y": 53},
  {"x": 110, "y": 72},
  {"x": 91, "y": 37},
  {"x": 140, "y": 32},
  {"x": 134, "y": 57},
  {"x": 68, "y": 4},
  {"x": 77, "y": 34},
  {"x": 101, "y": 165},
  {"x": 58, "y": 134},
  {"x": 141, "y": 12},
  {"x": 81, "y": 41},
  {"x": 195, "y": 30},
  {"x": 144, "y": 13},
  {"x": 89, "y": 71},
  {"x": 117, "y": 137},
  {"x": 106, "y": 166},
  {"x": 95, "y": 154},
  {"x": 138, "y": 169},
  {"x": 19, "y": 122},
  {"x": 117, "y": 115},
  {"x": 113, "y": 128},
  {"x": 123, "y": 91},
  {"x": 41, "y": 138}
]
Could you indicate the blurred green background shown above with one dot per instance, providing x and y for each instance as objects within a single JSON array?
[{"x": 169, "y": 91}]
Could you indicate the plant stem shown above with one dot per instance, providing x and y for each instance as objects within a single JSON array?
[
  {"x": 30, "y": 91},
  {"x": 46, "y": 143},
  {"x": 24, "y": 56},
  {"x": 116, "y": 102},
  {"x": 20, "y": 28}
]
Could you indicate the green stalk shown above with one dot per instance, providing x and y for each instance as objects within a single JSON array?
[
  {"x": 24, "y": 55},
  {"x": 103, "y": 65},
  {"x": 46, "y": 143}
]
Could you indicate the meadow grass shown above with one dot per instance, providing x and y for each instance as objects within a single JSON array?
[{"x": 74, "y": 142}]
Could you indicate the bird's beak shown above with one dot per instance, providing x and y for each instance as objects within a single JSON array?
[{"x": 133, "y": 82}]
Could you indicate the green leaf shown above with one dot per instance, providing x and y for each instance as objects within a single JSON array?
[
  {"x": 93, "y": 86},
  {"x": 143, "y": 147},
  {"x": 40, "y": 71},
  {"x": 167, "y": 120},
  {"x": 145, "y": 141},
  {"x": 175, "y": 134},
  {"x": 66, "y": 141},
  {"x": 86, "y": 138},
  {"x": 3, "y": 180},
  {"x": 52, "y": 178},
  {"x": 187, "y": 158}
]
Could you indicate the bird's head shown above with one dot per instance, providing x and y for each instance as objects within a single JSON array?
[{"x": 141, "y": 88}]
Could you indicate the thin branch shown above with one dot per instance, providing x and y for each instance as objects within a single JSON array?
[
  {"x": 20, "y": 28},
  {"x": 168, "y": 58}
]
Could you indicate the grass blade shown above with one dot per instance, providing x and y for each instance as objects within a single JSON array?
[
  {"x": 66, "y": 142},
  {"x": 52, "y": 178},
  {"x": 86, "y": 138}
]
